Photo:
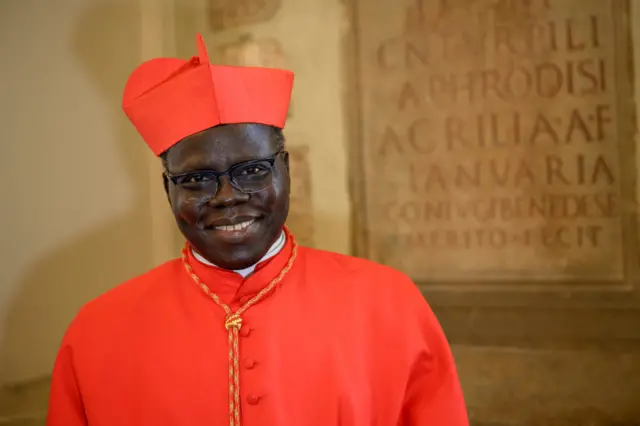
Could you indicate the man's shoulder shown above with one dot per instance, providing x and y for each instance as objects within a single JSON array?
[
  {"x": 125, "y": 296},
  {"x": 350, "y": 264},
  {"x": 362, "y": 285},
  {"x": 358, "y": 270},
  {"x": 136, "y": 286}
]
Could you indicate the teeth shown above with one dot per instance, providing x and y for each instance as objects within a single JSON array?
[{"x": 237, "y": 227}]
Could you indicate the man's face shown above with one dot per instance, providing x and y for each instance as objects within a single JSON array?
[{"x": 230, "y": 228}]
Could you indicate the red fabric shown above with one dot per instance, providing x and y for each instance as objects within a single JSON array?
[
  {"x": 342, "y": 341},
  {"x": 169, "y": 99}
]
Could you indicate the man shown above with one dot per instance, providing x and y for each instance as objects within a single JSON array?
[{"x": 246, "y": 328}]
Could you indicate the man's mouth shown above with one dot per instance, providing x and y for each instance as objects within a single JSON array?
[
  {"x": 240, "y": 226},
  {"x": 234, "y": 230}
]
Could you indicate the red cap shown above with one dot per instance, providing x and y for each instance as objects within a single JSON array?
[{"x": 169, "y": 99}]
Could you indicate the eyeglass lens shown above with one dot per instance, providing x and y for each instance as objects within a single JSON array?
[{"x": 249, "y": 178}]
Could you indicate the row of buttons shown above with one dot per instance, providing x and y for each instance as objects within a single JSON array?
[{"x": 249, "y": 363}]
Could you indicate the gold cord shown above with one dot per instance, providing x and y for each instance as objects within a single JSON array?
[{"x": 233, "y": 323}]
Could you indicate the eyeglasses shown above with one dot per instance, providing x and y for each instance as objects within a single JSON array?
[{"x": 248, "y": 177}]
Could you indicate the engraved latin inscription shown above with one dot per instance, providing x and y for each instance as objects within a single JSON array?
[{"x": 492, "y": 141}]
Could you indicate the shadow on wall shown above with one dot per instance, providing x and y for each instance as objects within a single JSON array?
[{"x": 105, "y": 43}]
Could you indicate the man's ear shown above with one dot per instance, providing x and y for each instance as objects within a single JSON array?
[
  {"x": 285, "y": 159},
  {"x": 165, "y": 183}
]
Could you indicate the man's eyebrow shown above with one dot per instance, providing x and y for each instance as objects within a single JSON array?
[{"x": 198, "y": 165}]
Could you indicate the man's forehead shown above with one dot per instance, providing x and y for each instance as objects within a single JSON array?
[
  {"x": 222, "y": 146},
  {"x": 231, "y": 136}
]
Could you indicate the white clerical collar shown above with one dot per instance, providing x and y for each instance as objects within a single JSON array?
[{"x": 275, "y": 249}]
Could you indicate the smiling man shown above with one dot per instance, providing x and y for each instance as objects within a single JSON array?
[{"x": 246, "y": 328}]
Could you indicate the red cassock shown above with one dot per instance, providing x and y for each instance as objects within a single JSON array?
[{"x": 338, "y": 341}]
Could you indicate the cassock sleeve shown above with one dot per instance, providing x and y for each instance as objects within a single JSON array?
[
  {"x": 65, "y": 400},
  {"x": 434, "y": 396}
]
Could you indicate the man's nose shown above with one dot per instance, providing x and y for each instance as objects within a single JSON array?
[{"x": 226, "y": 194}]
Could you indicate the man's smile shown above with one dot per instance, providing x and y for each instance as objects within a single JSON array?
[{"x": 235, "y": 232}]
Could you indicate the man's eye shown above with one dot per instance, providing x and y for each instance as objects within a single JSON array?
[
  {"x": 195, "y": 178},
  {"x": 252, "y": 170},
  {"x": 199, "y": 178}
]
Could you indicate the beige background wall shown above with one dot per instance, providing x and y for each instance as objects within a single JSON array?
[{"x": 76, "y": 218}]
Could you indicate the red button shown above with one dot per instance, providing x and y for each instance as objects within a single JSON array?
[
  {"x": 249, "y": 363},
  {"x": 253, "y": 399},
  {"x": 245, "y": 331}
]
